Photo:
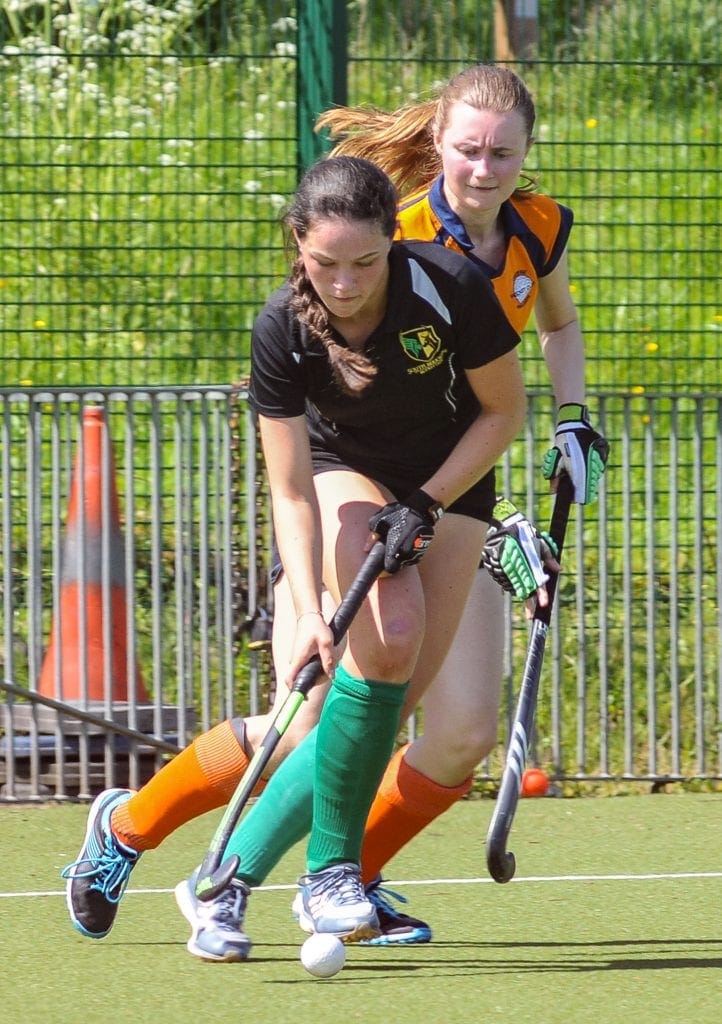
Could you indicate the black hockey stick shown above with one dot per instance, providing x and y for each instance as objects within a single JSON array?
[
  {"x": 215, "y": 873},
  {"x": 502, "y": 864}
]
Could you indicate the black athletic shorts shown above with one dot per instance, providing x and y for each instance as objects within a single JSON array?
[{"x": 477, "y": 503}]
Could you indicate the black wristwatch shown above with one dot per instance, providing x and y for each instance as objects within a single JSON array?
[
  {"x": 422, "y": 502},
  {"x": 436, "y": 510}
]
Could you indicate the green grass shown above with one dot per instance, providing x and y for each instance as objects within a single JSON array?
[{"x": 554, "y": 951}]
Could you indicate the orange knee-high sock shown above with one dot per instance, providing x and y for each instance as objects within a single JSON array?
[
  {"x": 406, "y": 802},
  {"x": 199, "y": 779}
]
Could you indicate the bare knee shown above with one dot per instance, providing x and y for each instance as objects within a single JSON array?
[
  {"x": 392, "y": 654},
  {"x": 467, "y": 750},
  {"x": 449, "y": 758},
  {"x": 478, "y": 743}
]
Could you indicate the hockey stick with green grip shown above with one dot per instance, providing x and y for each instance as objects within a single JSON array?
[{"x": 216, "y": 872}]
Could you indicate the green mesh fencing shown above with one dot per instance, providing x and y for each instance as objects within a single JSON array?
[
  {"x": 628, "y": 135},
  {"x": 149, "y": 149}
]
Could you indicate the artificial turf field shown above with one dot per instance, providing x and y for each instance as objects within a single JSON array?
[{"x": 615, "y": 915}]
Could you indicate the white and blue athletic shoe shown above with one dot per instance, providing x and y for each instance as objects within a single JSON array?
[
  {"x": 97, "y": 880},
  {"x": 395, "y": 927},
  {"x": 217, "y": 924},
  {"x": 333, "y": 901}
]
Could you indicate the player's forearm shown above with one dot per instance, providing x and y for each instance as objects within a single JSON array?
[
  {"x": 563, "y": 352},
  {"x": 296, "y": 515},
  {"x": 476, "y": 453},
  {"x": 298, "y": 536}
]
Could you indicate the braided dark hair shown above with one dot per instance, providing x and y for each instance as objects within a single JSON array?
[{"x": 352, "y": 189}]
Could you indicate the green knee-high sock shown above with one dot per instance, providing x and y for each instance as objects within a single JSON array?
[
  {"x": 356, "y": 735},
  {"x": 281, "y": 816}
]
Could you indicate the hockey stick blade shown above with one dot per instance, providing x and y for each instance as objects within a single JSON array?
[
  {"x": 500, "y": 862},
  {"x": 216, "y": 872}
]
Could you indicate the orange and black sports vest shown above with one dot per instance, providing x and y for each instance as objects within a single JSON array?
[{"x": 536, "y": 229}]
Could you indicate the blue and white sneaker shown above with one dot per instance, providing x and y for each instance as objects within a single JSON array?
[
  {"x": 333, "y": 901},
  {"x": 97, "y": 880},
  {"x": 397, "y": 928},
  {"x": 217, "y": 924}
]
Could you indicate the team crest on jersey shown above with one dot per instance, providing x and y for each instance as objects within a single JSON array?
[
  {"x": 521, "y": 289},
  {"x": 423, "y": 345}
]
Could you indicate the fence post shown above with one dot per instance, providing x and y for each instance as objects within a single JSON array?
[
  {"x": 321, "y": 71},
  {"x": 516, "y": 29}
]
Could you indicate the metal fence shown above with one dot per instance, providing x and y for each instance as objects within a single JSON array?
[
  {"x": 164, "y": 511},
  {"x": 134, "y": 549}
]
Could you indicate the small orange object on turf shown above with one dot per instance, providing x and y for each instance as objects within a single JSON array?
[{"x": 534, "y": 782}]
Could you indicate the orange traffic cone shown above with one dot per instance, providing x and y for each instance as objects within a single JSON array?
[{"x": 78, "y": 628}]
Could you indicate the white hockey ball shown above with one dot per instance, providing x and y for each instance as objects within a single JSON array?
[{"x": 323, "y": 955}]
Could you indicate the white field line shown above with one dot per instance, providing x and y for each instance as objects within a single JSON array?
[{"x": 393, "y": 884}]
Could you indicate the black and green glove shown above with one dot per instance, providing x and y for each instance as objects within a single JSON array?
[
  {"x": 515, "y": 551},
  {"x": 579, "y": 450}
]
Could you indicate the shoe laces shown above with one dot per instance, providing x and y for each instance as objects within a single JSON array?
[
  {"x": 343, "y": 880},
  {"x": 380, "y": 896},
  {"x": 110, "y": 871},
  {"x": 228, "y": 909}
]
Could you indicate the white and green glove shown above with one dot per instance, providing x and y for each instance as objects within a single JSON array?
[
  {"x": 579, "y": 450},
  {"x": 515, "y": 551}
]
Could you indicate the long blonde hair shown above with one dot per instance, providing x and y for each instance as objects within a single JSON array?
[{"x": 402, "y": 142}]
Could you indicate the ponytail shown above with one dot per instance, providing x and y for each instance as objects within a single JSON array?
[{"x": 401, "y": 142}]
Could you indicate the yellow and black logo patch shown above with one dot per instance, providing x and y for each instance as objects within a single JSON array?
[{"x": 422, "y": 344}]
